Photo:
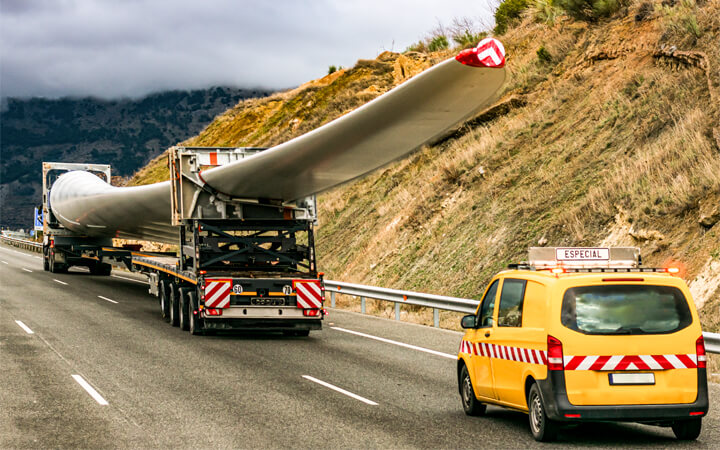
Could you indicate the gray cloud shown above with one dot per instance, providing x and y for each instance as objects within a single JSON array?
[{"x": 108, "y": 48}]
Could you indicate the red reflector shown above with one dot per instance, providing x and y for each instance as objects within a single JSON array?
[
  {"x": 554, "y": 354},
  {"x": 311, "y": 312},
  {"x": 700, "y": 351},
  {"x": 52, "y": 244},
  {"x": 213, "y": 312},
  {"x": 623, "y": 279},
  {"x": 696, "y": 413},
  {"x": 574, "y": 416}
]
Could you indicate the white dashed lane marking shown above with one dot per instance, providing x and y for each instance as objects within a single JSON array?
[
  {"x": 107, "y": 299},
  {"x": 27, "y": 270},
  {"x": 90, "y": 390},
  {"x": 61, "y": 282},
  {"x": 340, "y": 390},
  {"x": 24, "y": 327}
]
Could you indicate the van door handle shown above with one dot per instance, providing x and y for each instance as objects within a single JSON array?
[{"x": 487, "y": 334}]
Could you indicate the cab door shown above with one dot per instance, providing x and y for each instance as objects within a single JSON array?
[{"x": 480, "y": 360}]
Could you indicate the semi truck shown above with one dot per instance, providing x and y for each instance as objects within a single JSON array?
[{"x": 237, "y": 264}]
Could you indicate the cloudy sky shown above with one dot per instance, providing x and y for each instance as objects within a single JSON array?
[{"x": 106, "y": 48}]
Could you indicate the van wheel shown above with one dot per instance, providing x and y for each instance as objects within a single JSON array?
[
  {"x": 164, "y": 301},
  {"x": 471, "y": 405},
  {"x": 542, "y": 428},
  {"x": 687, "y": 430},
  {"x": 174, "y": 304}
]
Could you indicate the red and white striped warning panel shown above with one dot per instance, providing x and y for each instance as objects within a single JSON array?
[
  {"x": 489, "y": 53},
  {"x": 217, "y": 293},
  {"x": 309, "y": 294},
  {"x": 519, "y": 354},
  {"x": 630, "y": 362}
]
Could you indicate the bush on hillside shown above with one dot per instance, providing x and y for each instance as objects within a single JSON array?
[
  {"x": 439, "y": 42},
  {"x": 507, "y": 12},
  {"x": 591, "y": 10},
  {"x": 332, "y": 69}
]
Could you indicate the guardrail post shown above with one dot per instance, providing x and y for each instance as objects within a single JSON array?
[
  {"x": 362, "y": 305},
  {"x": 332, "y": 299},
  {"x": 397, "y": 311},
  {"x": 436, "y": 318}
]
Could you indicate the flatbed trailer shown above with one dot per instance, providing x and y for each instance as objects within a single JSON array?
[{"x": 240, "y": 264}]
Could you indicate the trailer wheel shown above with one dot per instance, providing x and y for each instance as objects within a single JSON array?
[
  {"x": 46, "y": 263},
  {"x": 164, "y": 301},
  {"x": 174, "y": 304},
  {"x": 194, "y": 320},
  {"x": 57, "y": 267},
  {"x": 183, "y": 309}
]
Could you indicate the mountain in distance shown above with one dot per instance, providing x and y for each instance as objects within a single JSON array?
[{"x": 125, "y": 133}]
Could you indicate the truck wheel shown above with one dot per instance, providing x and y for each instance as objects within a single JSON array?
[
  {"x": 164, "y": 301},
  {"x": 46, "y": 263},
  {"x": 687, "y": 430},
  {"x": 174, "y": 304},
  {"x": 194, "y": 320},
  {"x": 183, "y": 309},
  {"x": 471, "y": 405},
  {"x": 542, "y": 428}
]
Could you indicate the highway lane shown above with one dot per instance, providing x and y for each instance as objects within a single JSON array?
[{"x": 167, "y": 388}]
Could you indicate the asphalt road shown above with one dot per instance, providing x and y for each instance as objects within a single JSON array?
[{"x": 165, "y": 388}]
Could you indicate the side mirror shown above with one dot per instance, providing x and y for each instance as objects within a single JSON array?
[{"x": 469, "y": 321}]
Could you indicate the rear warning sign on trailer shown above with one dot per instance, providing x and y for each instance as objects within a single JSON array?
[
  {"x": 309, "y": 294},
  {"x": 217, "y": 293}
]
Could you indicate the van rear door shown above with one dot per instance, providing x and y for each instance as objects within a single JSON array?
[{"x": 629, "y": 344}]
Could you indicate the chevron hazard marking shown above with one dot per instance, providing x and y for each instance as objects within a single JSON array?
[
  {"x": 491, "y": 52},
  {"x": 309, "y": 294},
  {"x": 217, "y": 293}
]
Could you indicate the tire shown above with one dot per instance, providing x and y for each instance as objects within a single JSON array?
[
  {"x": 174, "y": 304},
  {"x": 164, "y": 301},
  {"x": 687, "y": 430},
  {"x": 183, "y": 310},
  {"x": 46, "y": 263},
  {"x": 302, "y": 333},
  {"x": 56, "y": 267},
  {"x": 195, "y": 323},
  {"x": 470, "y": 403},
  {"x": 542, "y": 428}
]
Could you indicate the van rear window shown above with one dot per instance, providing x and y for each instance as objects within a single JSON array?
[{"x": 625, "y": 309}]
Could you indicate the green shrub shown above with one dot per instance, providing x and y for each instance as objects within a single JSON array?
[
  {"x": 507, "y": 12},
  {"x": 543, "y": 55},
  {"x": 419, "y": 46},
  {"x": 591, "y": 10},
  {"x": 468, "y": 38},
  {"x": 546, "y": 11},
  {"x": 439, "y": 42},
  {"x": 332, "y": 69}
]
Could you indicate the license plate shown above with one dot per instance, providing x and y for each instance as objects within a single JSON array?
[
  {"x": 631, "y": 378},
  {"x": 268, "y": 301}
]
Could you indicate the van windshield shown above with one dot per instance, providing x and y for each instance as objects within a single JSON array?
[{"x": 625, "y": 309}]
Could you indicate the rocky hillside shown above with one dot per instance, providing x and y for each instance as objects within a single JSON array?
[
  {"x": 607, "y": 133},
  {"x": 124, "y": 133}
]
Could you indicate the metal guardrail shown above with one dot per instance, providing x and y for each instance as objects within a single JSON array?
[
  {"x": 437, "y": 303},
  {"x": 22, "y": 243}
]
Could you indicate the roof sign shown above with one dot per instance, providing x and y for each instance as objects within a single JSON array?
[
  {"x": 582, "y": 254},
  {"x": 584, "y": 257}
]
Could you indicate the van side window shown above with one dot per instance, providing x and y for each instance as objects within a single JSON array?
[
  {"x": 511, "y": 303},
  {"x": 488, "y": 306}
]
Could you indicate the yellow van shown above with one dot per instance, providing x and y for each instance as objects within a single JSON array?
[{"x": 586, "y": 335}]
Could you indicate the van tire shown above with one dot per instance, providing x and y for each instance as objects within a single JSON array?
[
  {"x": 687, "y": 430},
  {"x": 542, "y": 428},
  {"x": 470, "y": 403}
]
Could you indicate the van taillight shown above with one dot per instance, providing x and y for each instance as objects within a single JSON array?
[
  {"x": 700, "y": 350},
  {"x": 555, "y": 354}
]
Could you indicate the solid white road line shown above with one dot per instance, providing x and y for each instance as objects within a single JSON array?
[
  {"x": 340, "y": 390},
  {"x": 129, "y": 279},
  {"x": 90, "y": 390},
  {"x": 105, "y": 298},
  {"x": 58, "y": 281},
  {"x": 401, "y": 344},
  {"x": 27, "y": 270},
  {"x": 24, "y": 327}
]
